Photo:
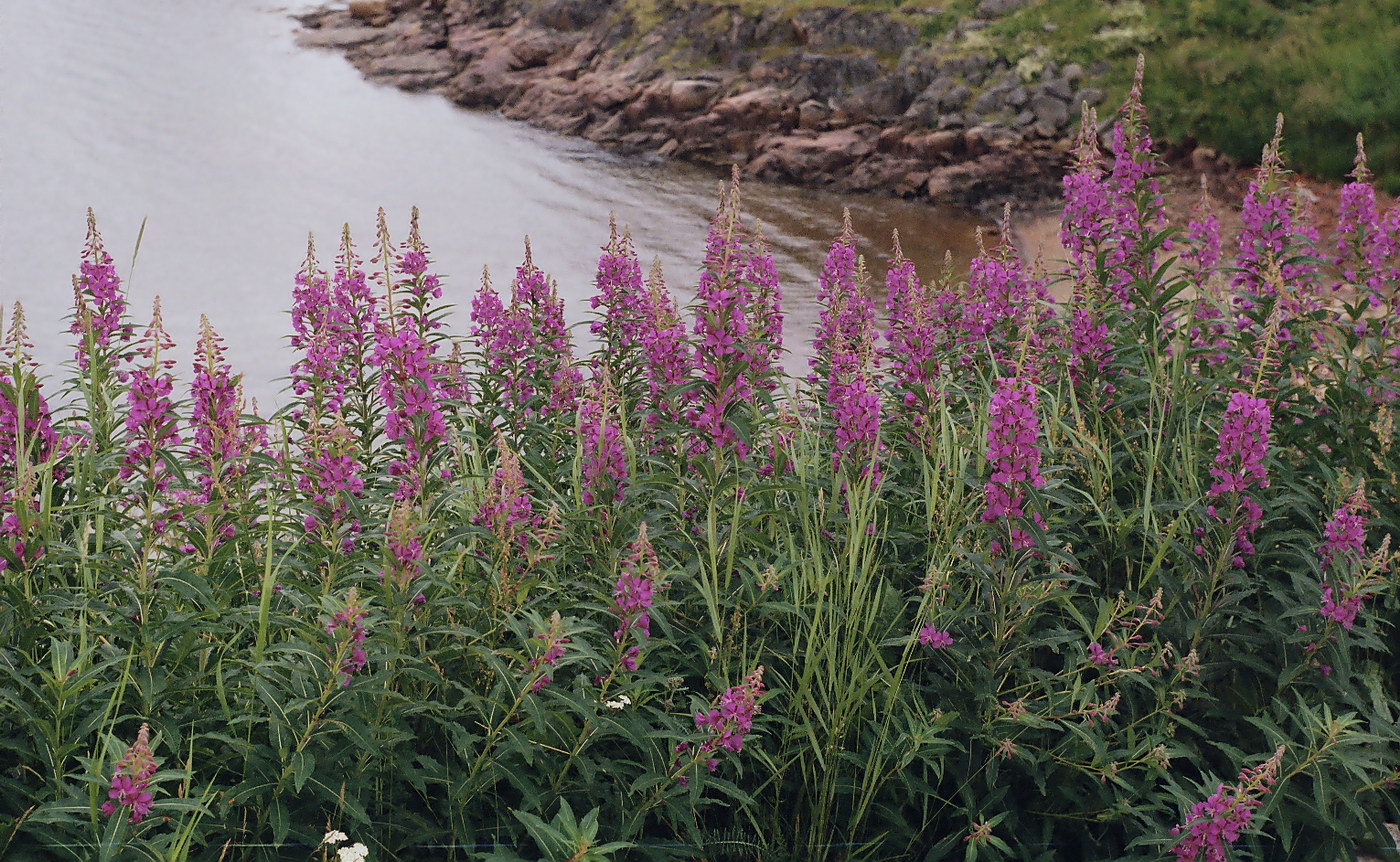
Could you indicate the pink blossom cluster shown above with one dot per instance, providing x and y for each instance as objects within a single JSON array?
[
  {"x": 347, "y": 628},
  {"x": 1208, "y": 327},
  {"x": 353, "y": 322},
  {"x": 725, "y": 346},
  {"x": 731, "y": 719},
  {"x": 131, "y": 779},
  {"x": 1013, "y": 453},
  {"x": 667, "y": 355},
  {"x": 555, "y": 645},
  {"x": 1216, "y": 823},
  {"x": 507, "y": 509},
  {"x": 1004, "y": 309},
  {"x": 1344, "y": 543},
  {"x": 219, "y": 437},
  {"x": 604, "y": 460},
  {"x": 331, "y": 477},
  {"x": 409, "y": 388},
  {"x": 1275, "y": 240},
  {"x": 150, "y": 418},
  {"x": 766, "y": 314},
  {"x": 931, "y": 637},
  {"x": 922, "y": 319},
  {"x": 618, "y": 286},
  {"x": 634, "y": 595},
  {"x": 100, "y": 302},
  {"x": 847, "y": 317},
  {"x": 526, "y": 346},
  {"x": 1136, "y": 200},
  {"x": 319, "y": 375},
  {"x": 1239, "y": 466}
]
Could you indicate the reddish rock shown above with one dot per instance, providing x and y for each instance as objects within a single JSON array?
[
  {"x": 752, "y": 109},
  {"x": 688, "y": 96},
  {"x": 372, "y": 11}
]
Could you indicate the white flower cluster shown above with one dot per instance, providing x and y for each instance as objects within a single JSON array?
[{"x": 356, "y": 852}]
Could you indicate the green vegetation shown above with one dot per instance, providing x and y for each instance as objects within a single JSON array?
[{"x": 1220, "y": 70}]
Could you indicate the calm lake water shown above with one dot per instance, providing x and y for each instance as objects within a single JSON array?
[{"x": 202, "y": 118}]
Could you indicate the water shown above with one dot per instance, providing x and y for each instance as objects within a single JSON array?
[{"x": 202, "y": 118}]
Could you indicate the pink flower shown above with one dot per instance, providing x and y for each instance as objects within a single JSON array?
[
  {"x": 1213, "y": 825},
  {"x": 932, "y": 638},
  {"x": 1239, "y": 466},
  {"x": 1013, "y": 455},
  {"x": 131, "y": 778},
  {"x": 347, "y": 629},
  {"x": 1102, "y": 657},
  {"x": 732, "y": 718}
]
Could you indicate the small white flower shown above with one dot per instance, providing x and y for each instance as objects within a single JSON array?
[
  {"x": 354, "y": 853},
  {"x": 335, "y": 836},
  {"x": 622, "y": 702}
]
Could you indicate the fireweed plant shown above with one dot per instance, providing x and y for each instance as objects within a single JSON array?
[{"x": 1000, "y": 577}]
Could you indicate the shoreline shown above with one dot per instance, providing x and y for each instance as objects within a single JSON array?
[{"x": 845, "y": 100}]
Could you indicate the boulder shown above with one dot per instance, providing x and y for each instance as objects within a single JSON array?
[
  {"x": 374, "y": 12},
  {"x": 834, "y": 29},
  {"x": 753, "y": 108},
  {"x": 811, "y": 114},
  {"x": 934, "y": 146},
  {"x": 1057, "y": 87},
  {"x": 691, "y": 94},
  {"x": 1048, "y": 109},
  {"x": 1092, "y": 95},
  {"x": 954, "y": 99},
  {"x": 815, "y": 158},
  {"x": 339, "y": 37}
]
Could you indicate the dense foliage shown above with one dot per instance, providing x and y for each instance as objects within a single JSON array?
[{"x": 1002, "y": 577}]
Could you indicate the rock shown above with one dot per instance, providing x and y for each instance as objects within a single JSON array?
[
  {"x": 885, "y": 97},
  {"x": 989, "y": 102},
  {"x": 1017, "y": 97},
  {"x": 951, "y": 121},
  {"x": 1093, "y": 95},
  {"x": 987, "y": 137},
  {"x": 1204, "y": 160},
  {"x": 751, "y": 109},
  {"x": 819, "y": 76},
  {"x": 339, "y": 37},
  {"x": 1073, "y": 73},
  {"x": 1047, "y": 129},
  {"x": 816, "y": 158},
  {"x": 669, "y": 148},
  {"x": 833, "y": 29},
  {"x": 934, "y": 146},
  {"x": 998, "y": 8},
  {"x": 1048, "y": 109},
  {"x": 1057, "y": 87},
  {"x": 1023, "y": 120},
  {"x": 569, "y": 14},
  {"x": 372, "y": 11},
  {"x": 691, "y": 95},
  {"x": 955, "y": 98},
  {"x": 535, "y": 49},
  {"x": 435, "y": 64},
  {"x": 811, "y": 114}
]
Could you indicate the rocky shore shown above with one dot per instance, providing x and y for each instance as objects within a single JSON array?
[{"x": 835, "y": 97}]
